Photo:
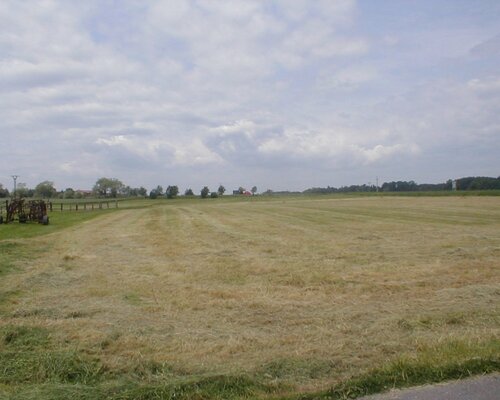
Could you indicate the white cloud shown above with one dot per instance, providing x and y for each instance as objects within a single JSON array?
[
  {"x": 242, "y": 126},
  {"x": 157, "y": 150},
  {"x": 333, "y": 147},
  {"x": 196, "y": 153},
  {"x": 485, "y": 85},
  {"x": 380, "y": 152},
  {"x": 340, "y": 47},
  {"x": 233, "y": 87},
  {"x": 347, "y": 78}
]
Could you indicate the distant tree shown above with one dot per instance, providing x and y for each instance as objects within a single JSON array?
[
  {"x": 478, "y": 183},
  {"x": 136, "y": 192},
  {"x": 204, "y": 192},
  {"x": 241, "y": 190},
  {"x": 108, "y": 187},
  {"x": 157, "y": 192},
  {"x": 172, "y": 191},
  {"x": 69, "y": 193},
  {"x": 45, "y": 189},
  {"x": 189, "y": 192},
  {"x": 22, "y": 190},
  {"x": 221, "y": 190},
  {"x": 214, "y": 195},
  {"x": 254, "y": 190},
  {"x": 466, "y": 183},
  {"x": 126, "y": 191},
  {"x": 399, "y": 186},
  {"x": 3, "y": 191}
]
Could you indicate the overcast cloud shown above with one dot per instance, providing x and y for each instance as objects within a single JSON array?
[{"x": 280, "y": 94}]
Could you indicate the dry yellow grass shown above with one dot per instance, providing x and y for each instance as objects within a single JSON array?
[{"x": 327, "y": 287}]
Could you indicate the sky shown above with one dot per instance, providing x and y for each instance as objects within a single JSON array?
[{"x": 283, "y": 95}]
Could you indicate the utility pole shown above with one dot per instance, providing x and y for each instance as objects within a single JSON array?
[
  {"x": 14, "y": 177},
  {"x": 377, "y": 183}
]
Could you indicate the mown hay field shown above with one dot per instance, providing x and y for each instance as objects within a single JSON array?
[{"x": 291, "y": 294}]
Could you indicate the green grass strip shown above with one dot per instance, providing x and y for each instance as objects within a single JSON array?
[{"x": 448, "y": 361}]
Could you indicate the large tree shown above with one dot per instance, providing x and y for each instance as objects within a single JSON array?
[
  {"x": 221, "y": 190},
  {"x": 108, "y": 187},
  {"x": 172, "y": 191},
  {"x": 45, "y": 189},
  {"x": 204, "y": 192},
  {"x": 69, "y": 193}
]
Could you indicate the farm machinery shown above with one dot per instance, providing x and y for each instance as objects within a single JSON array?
[{"x": 25, "y": 211}]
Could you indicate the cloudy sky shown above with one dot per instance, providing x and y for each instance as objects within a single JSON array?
[{"x": 284, "y": 94}]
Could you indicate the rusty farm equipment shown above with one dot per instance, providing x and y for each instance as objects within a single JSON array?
[{"x": 25, "y": 211}]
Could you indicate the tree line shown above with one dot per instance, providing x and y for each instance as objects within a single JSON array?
[
  {"x": 468, "y": 183},
  {"x": 114, "y": 188},
  {"x": 104, "y": 187},
  {"x": 111, "y": 188}
]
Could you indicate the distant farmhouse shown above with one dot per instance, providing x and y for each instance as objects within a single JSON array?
[{"x": 244, "y": 193}]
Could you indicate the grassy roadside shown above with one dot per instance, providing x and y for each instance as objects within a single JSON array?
[
  {"x": 34, "y": 365},
  {"x": 432, "y": 364}
]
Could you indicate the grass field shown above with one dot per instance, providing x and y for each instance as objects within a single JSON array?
[{"x": 306, "y": 297}]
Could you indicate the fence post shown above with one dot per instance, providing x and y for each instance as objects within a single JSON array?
[
  {"x": 62, "y": 206},
  {"x": 85, "y": 206},
  {"x": 76, "y": 207}
]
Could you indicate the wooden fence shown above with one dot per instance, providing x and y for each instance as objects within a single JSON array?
[
  {"x": 83, "y": 206},
  {"x": 70, "y": 206}
]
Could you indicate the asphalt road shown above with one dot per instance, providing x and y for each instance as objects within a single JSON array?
[{"x": 477, "y": 388}]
